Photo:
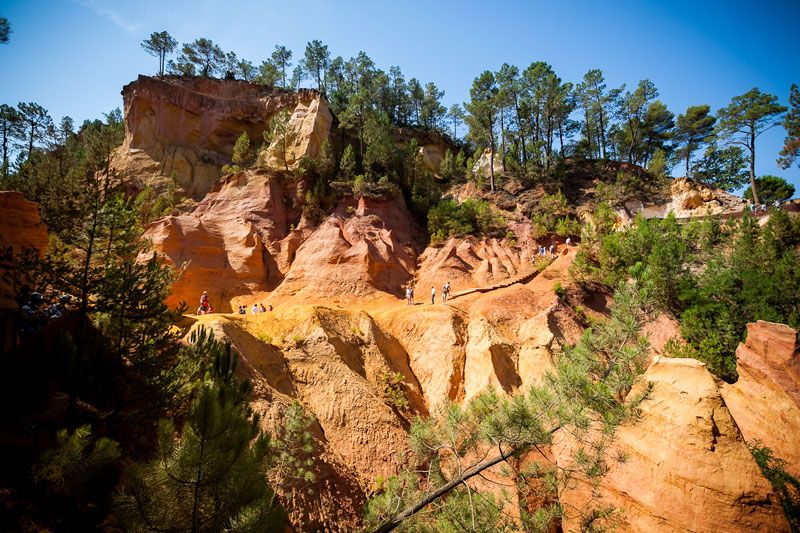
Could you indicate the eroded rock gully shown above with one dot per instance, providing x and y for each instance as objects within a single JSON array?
[{"x": 687, "y": 464}]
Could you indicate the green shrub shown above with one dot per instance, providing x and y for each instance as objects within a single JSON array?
[
  {"x": 392, "y": 389},
  {"x": 76, "y": 462},
  {"x": 786, "y": 485},
  {"x": 359, "y": 185},
  {"x": 559, "y": 290},
  {"x": 450, "y": 218},
  {"x": 566, "y": 226}
]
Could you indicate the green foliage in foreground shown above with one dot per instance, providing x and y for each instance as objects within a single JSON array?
[
  {"x": 76, "y": 463},
  {"x": 587, "y": 395},
  {"x": 212, "y": 478},
  {"x": 786, "y": 485},
  {"x": 715, "y": 278}
]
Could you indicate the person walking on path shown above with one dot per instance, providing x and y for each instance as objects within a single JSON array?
[
  {"x": 409, "y": 297},
  {"x": 445, "y": 292},
  {"x": 433, "y": 294},
  {"x": 569, "y": 242},
  {"x": 552, "y": 249}
]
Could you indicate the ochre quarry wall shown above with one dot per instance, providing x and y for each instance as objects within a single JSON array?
[{"x": 184, "y": 129}]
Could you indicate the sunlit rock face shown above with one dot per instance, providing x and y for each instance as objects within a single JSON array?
[{"x": 180, "y": 131}]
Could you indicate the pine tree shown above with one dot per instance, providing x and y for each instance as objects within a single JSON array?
[
  {"x": 772, "y": 189},
  {"x": 34, "y": 121},
  {"x": 347, "y": 166},
  {"x": 694, "y": 128},
  {"x": 316, "y": 62},
  {"x": 279, "y": 135},
  {"x": 482, "y": 109},
  {"x": 9, "y": 128},
  {"x": 745, "y": 119},
  {"x": 587, "y": 395},
  {"x": 159, "y": 45},
  {"x": 723, "y": 167},
  {"x": 447, "y": 166},
  {"x": 241, "y": 150},
  {"x": 213, "y": 476},
  {"x": 281, "y": 59},
  {"x": 791, "y": 145},
  {"x": 201, "y": 54}
]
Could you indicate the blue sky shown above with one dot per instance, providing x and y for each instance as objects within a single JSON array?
[{"x": 74, "y": 56}]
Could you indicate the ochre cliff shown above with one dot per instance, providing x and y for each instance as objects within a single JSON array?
[
  {"x": 765, "y": 400},
  {"x": 185, "y": 128},
  {"x": 686, "y": 465},
  {"x": 21, "y": 228}
]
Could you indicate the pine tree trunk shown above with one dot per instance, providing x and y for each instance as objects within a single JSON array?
[
  {"x": 602, "y": 134},
  {"x": 521, "y": 133},
  {"x": 756, "y": 199},
  {"x": 502, "y": 141},
  {"x": 688, "y": 156}
]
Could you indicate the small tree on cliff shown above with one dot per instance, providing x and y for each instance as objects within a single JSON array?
[
  {"x": 586, "y": 397},
  {"x": 159, "y": 45},
  {"x": 242, "y": 155},
  {"x": 204, "y": 55},
  {"x": 279, "y": 136}
]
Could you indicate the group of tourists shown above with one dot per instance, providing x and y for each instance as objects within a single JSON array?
[
  {"x": 445, "y": 294},
  {"x": 257, "y": 308},
  {"x": 206, "y": 308},
  {"x": 544, "y": 252},
  {"x": 35, "y": 312},
  {"x": 763, "y": 207}
]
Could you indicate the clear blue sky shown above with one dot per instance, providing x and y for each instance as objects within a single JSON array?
[{"x": 74, "y": 56}]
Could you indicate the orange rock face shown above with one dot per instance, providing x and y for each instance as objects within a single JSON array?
[
  {"x": 362, "y": 256},
  {"x": 470, "y": 262},
  {"x": 21, "y": 228},
  {"x": 185, "y": 128},
  {"x": 765, "y": 401},
  {"x": 332, "y": 362},
  {"x": 229, "y": 244},
  {"x": 686, "y": 468},
  {"x": 239, "y": 241}
]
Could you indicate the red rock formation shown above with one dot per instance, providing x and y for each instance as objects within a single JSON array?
[
  {"x": 238, "y": 242},
  {"x": 229, "y": 244},
  {"x": 186, "y": 128},
  {"x": 765, "y": 401},
  {"x": 22, "y": 228},
  {"x": 686, "y": 467},
  {"x": 358, "y": 257}
]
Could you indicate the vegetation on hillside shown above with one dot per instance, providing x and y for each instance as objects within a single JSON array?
[
  {"x": 587, "y": 395},
  {"x": 714, "y": 277},
  {"x": 158, "y": 435}
]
